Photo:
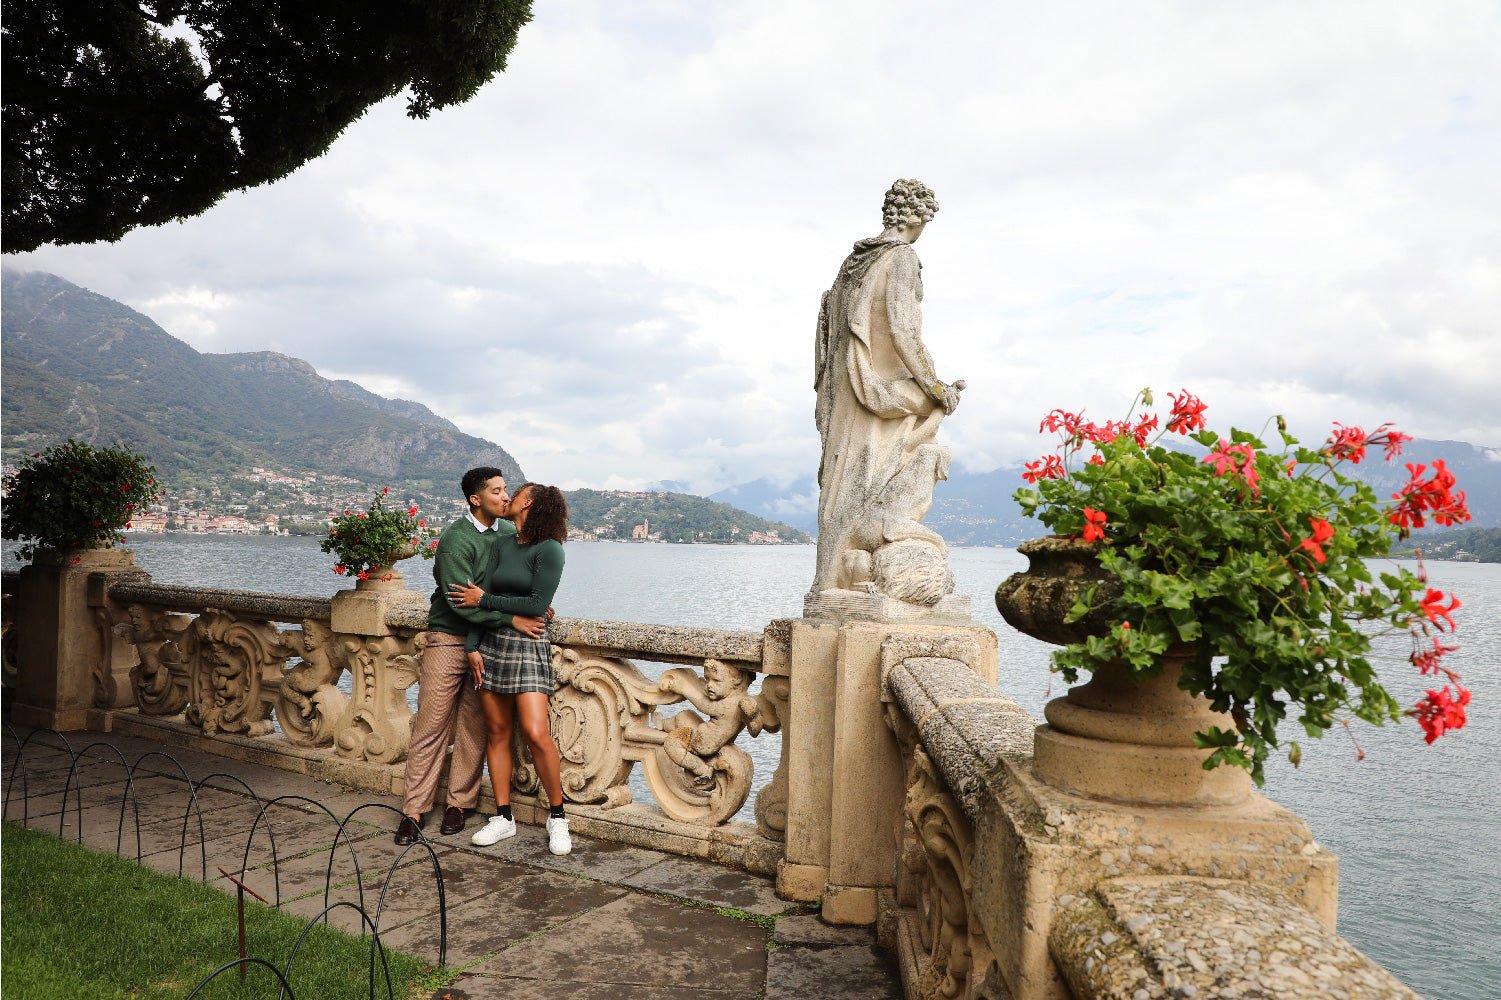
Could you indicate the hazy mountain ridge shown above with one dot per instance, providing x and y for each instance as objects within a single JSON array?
[
  {"x": 80, "y": 364},
  {"x": 972, "y": 508}
]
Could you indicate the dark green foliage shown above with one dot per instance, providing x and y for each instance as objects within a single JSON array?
[
  {"x": 376, "y": 538},
  {"x": 110, "y": 124},
  {"x": 72, "y": 496},
  {"x": 80, "y": 365},
  {"x": 676, "y": 517}
]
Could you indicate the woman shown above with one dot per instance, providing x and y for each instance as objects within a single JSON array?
[{"x": 512, "y": 669}]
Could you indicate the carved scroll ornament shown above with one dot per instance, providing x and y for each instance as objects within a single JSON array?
[
  {"x": 954, "y": 945},
  {"x": 236, "y": 670},
  {"x": 605, "y": 719},
  {"x": 376, "y": 724}
]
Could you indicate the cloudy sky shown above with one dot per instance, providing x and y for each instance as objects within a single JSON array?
[{"x": 610, "y": 260}]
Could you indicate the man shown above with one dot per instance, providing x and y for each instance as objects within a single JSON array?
[{"x": 446, "y": 693}]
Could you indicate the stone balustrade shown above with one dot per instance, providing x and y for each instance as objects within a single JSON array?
[
  {"x": 1006, "y": 887},
  {"x": 329, "y": 696}
]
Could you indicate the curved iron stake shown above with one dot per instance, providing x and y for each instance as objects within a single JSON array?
[
  {"x": 276, "y": 863},
  {"x": 375, "y": 946},
  {"x": 244, "y": 961},
  {"x": 442, "y": 894},
  {"x": 192, "y": 803},
  {"x": 130, "y": 788},
  {"x": 202, "y": 836},
  {"x": 25, "y": 787},
  {"x": 422, "y": 838}
]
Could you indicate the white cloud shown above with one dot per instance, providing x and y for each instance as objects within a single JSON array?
[{"x": 610, "y": 260}]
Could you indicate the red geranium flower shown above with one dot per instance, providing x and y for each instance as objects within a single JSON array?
[
  {"x": 1441, "y": 711},
  {"x": 1434, "y": 610},
  {"x": 1322, "y": 532},
  {"x": 1187, "y": 413},
  {"x": 1094, "y": 524}
]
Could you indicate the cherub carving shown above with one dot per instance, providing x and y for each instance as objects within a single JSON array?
[
  {"x": 161, "y": 678},
  {"x": 693, "y": 742},
  {"x": 310, "y": 705}
]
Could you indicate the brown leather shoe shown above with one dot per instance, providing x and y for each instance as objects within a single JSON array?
[
  {"x": 454, "y": 819},
  {"x": 408, "y": 831}
]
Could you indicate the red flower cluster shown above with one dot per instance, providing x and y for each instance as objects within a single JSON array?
[
  {"x": 1187, "y": 414},
  {"x": 1351, "y": 442},
  {"x": 1235, "y": 459},
  {"x": 1427, "y": 660},
  {"x": 1322, "y": 532},
  {"x": 1435, "y": 496},
  {"x": 1441, "y": 711},
  {"x": 1094, "y": 525},
  {"x": 1434, "y": 610},
  {"x": 1049, "y": 467}
]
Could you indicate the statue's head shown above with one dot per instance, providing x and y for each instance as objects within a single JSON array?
[
  {"x": 910, "y": 204},
  {"x": 721, "y": 680}
]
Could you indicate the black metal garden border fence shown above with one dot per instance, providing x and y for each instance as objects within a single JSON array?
[{"x": 96, "y": 751}]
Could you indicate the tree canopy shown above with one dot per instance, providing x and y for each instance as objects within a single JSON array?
[{"x": 120, "y": 113}]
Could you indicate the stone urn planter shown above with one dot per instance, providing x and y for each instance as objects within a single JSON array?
[
  {"x": 1117, "y": 736},
  {"x": 386, "y": 576}
]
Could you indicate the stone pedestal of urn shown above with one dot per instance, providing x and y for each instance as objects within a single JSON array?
[
  {"x": 1115, "y": 788},
  {"x": 362, "y": 611},
  {"x": 1118, "y": 736},
  {"x": 64, "y": 657}
]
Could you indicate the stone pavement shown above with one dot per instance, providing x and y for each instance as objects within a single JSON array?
[{"x": 607, "y": 921}]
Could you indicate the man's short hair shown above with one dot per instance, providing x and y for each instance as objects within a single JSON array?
[
  {"x": 908, "y": 203},
  {"x": 475, "y": 479}
]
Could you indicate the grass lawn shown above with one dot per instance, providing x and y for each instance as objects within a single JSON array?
[{"x": 77, "y": 924}]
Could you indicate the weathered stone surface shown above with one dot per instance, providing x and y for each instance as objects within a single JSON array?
[
  {"x": 252, "y": 604},
  {"x": 843, "y": 972},
  {"x": 519, "y": 907},
  {"x": 709, "y": 883},
  {"x": 1059, "y": 570},
  {"x": 808, "y": 931},
  {"x": 663, "y": 643},
  {"x": 638, "y": 940},
  {"x": 1192, "y": 937}
]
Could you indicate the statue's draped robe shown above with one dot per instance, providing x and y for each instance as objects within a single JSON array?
[{"x": 873, "y": 409}]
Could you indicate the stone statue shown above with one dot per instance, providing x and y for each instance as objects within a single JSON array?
[{"x": 878, "y": 410}]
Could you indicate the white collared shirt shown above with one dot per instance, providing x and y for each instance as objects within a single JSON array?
[{"x": 479, "y": 525}]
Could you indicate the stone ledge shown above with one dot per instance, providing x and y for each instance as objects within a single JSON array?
[
  {"x": 272, "y": 607},
  {"x": 1145, "y": 938}
]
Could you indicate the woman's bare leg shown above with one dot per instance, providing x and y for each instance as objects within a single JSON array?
[
  {"x": 499, "y": 709},
  {"x": 532, "y": 707}
]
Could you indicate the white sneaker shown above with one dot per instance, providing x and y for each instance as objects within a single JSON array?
[
  {"x": 558, "y": 841},
  {"x": 499, "y": 828}
]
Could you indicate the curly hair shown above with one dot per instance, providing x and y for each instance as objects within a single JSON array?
[
  {"x": 908, "y": 203},
  {"x": 547, "y": 517}
]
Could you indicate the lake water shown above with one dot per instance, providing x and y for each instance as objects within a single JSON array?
[{"x": 1415, "y": 826}]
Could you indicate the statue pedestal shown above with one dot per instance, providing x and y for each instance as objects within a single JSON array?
[
  {"x": 362, "y": 611},
  {"x": 856, "y": 605},
  {"x": 846, "y": 765}
]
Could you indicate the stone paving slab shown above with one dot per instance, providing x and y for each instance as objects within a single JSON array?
[
  {"x": 843, "y": 972},
  {"x": 642, "y": 941},
  {"x": 511, "y": 988},
  {"x": 808, "y": 931},
  {"x": 491, "y": 923},
  {"x": 709, "y": 883}
]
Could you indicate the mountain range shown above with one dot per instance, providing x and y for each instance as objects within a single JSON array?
[
  {"x": 78, "y": 364},
  {"x": 972, "y": 508}
]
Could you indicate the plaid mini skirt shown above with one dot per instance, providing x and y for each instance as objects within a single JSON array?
[{"x": 515, "y": 663}]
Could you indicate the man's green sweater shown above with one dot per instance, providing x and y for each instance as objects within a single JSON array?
[{"x": 464, "y": 554}]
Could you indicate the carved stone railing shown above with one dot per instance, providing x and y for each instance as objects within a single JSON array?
[
  {"x": 223, "y": 664},
  {"x": 1007, "y": 889}
]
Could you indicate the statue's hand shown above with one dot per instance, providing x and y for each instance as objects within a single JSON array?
[{"x": 951, "y": 396}]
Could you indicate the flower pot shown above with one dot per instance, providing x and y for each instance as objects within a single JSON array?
[
  {"x": 382, "y": 578},
  {"x": 1117, "y": 736},
  {"x": 1037, "y": 600}
]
